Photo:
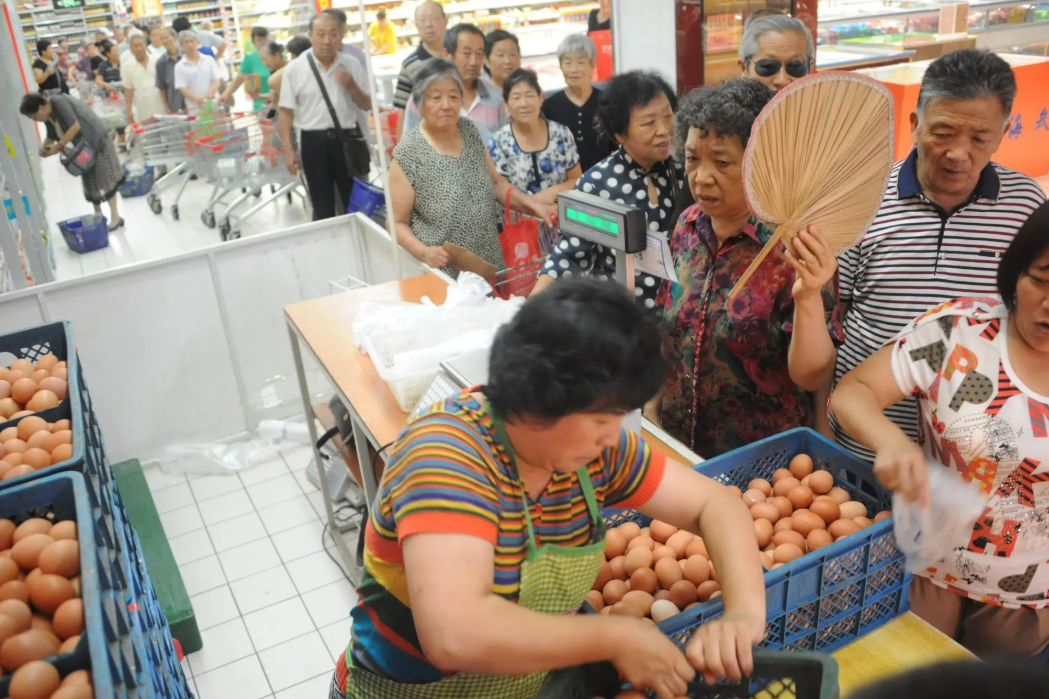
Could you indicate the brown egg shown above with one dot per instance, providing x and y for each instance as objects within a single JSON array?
[
  {"x": 843, "y": 528},
  {"x": 66, "y": 437},
  {"x": 62, "y": 425},
  {"x": 766, "y": 511},
  {"x": 42, "y": 400},
  {"x": 8, "y": 407},
  {"x": 77, "y": 691},
  {"x": 641, "y": 599},
  {"x": 785, "y": 553},
  {"x": 800, "y": 497},
  {"x": 9, "y": 571},
  {"x": 63, "y": 452},
  {"x": 839, "y": 495},
  {"x": 697, "y": 547},
  {"x": 818, "y": 538},
  {"x": 593, "y": 598},
  {"x": 627, "y": 609},
  {"x": 18, "y": 472},
  {"x": 801, "y": 466},
  {"x": 753, "y": 497},
  {"x": 852, "y": 510},
  {"x": 782, "y": 505},
  {"x": 618, "y": 566},
  {"x": 21, "y": 413},
  {"x": 805, "y": 480},
  {"x": 630, "y": 530},
  {"x": 707, "y": 590},
  {"x": 32, "y": 575},
  {"x": 766, "y": 559},
  {"x": 661, "y": 531},
  {"x": 69, "y": 645},
  {"x": 639, "y": 557},
  {"x": 5, "y": 388},
  {"x": 641, "y": 542},
  {"x": 34, "y": 680},
  {"x": 680, "y": 541},
  {"x": 827, "y": 510},
  {"x": 663, "y": 551},
  {"x": 615, "y": 543},
  {"x": 39, "y": 375},
  {"x": 884, "y": 514},
  {"x": 11, "y": 460},
  {"x": 697, "y": 570},
  {"x": 779, "y": 474},
  {"x": 26, "y": 553},
  {"x": 36, "y": 525},
  {"x": 862, "y": 521},
  {"x": 731, "y": 488},
  {"x": 763, "y": 531},
  {"x": 26, "y": 647},
  {"x": 62, "y": 373},
  {"x": 19, "y": 612},
  {"x": 614, "y": 591},
  {"x": 77, "y": 677},
  {"x": 789, "y": 538},
  {"x": 61, "y": 530},
  {"x": 785, "y": 486},
  {"x": 56, "y": 385},
  {"x": 23, "y": 391},
  {"x": 821, "y": 482},
  {"x": 23, "y": 364},
  {"x": 784, "y": 525},
  {"x": 41, "y": 623},
  {"x": 805, "y": 522},
  {"x": 776, "y": 565},
  {"x": 14, "y": 589},
  {"x": 760, "y": 484},
  {"x": 644, "y": 580},
  {"x": 36, "y": 458},
  {"x": 604, "y": 574},
  {"x": 39, "y": 441},
  {"x": 15, "y": 446},
  {"x": 668, "y": 572},
  {"x": 48, "y": 592},
  {"x": 8, "y": 434},
  {"x": 48, "y": 361},
  {"x": 683, "y": 593}
]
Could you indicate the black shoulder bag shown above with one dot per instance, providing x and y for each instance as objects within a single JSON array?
[{"x": 344, "y": 140}]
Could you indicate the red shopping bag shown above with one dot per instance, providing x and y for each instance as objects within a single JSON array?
[{"x": 520, "y": 244}]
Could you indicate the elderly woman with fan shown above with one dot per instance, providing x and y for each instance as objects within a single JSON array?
[{"x": 739, "y": 369}]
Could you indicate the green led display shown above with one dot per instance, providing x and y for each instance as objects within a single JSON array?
[
  {"x": 595, "y": 222},
  {"x": 66, "y": 4}
]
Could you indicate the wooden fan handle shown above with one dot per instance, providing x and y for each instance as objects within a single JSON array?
[{"x": 774, "y": 240}]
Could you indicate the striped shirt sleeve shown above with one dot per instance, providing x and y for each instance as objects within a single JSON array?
[
  {"x": 848, "y": 270},
  {"x": 635, "y": 472}
]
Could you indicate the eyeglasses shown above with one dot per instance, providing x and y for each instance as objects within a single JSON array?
[{"x": 767, "y": 67}]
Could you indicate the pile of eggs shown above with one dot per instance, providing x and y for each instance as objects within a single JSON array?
[
  {"x": 658, "y": 571},
  {"x": 27, "y": 388},
  {"x": 40, "y": 680},
  {"x": 41, "y": 613},
  {"x": 32, "y": 444}
]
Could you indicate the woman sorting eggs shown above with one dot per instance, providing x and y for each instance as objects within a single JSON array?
[{"x": 486, "y": 533}]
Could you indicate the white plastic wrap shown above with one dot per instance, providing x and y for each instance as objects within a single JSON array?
[{"x": 926, "y": 535}]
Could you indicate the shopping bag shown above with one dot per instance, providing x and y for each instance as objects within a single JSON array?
[{"x": 520, "y": 244}]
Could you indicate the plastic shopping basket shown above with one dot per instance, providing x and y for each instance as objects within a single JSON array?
[{"x": 85, "y": 233}]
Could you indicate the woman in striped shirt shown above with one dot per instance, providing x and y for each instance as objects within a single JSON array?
[{"x": 486, "y": 533}]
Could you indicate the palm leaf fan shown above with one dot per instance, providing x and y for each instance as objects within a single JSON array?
[{"x": 820, "y": 154}]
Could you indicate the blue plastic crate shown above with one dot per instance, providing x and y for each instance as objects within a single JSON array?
[
  {"x": 369, "y": 200},
  {"x": 137, "y": 184},
  {"x": 105, "y": 648},
  {"x": 825, "y": 599},
  {"x": 85, "y": 233}
]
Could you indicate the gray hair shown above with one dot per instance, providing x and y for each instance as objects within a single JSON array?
[
  {"x": 135, "y": 34},
  {"x": 966, "y": 75},
  {"x": 577, "y": 43},
  {"x": 728, "y": 109},
  {"x": 757, "y": 28},
  {"x": 435, "y": 69},
  {"x": 187, "y": 33}
]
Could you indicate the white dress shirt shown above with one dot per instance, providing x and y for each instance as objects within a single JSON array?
[
  {"x": 299, "y": 91},
  {"x": 142, "y": 79},
  {"x": 197, "y": 77}
]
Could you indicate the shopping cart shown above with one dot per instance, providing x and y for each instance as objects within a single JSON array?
[
  {"x": 160, "y": 142},
  {"x": 108, "y": 105}
]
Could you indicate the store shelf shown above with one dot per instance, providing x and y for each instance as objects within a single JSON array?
[{"x": 353, "y": 17}]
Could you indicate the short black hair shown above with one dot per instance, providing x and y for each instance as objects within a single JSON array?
[
  {"x": 625, "y": 91},
  {"x": 1030, "y": 243},
  {"x": 972, "y": 679},
  {"x": 274, "y": 48},
  {"x": 105, "y": 47},
  {"x": 298, "y": 45},
  {"x": 180, "y": 24},
  {"x": 335, "y": 12},
  {"x": 497, "y": 35},
  {"x": 451, "y": 35},
  {"x": 968, "y": 74},
  {"x": 521, "y": 75},
  {"x": 581, "y": 346},
  {"x": 729, "y": 109},
  {"x": 32, "y": 103},
  {"x": 42, "y": 45},
  {"x": 259, "y": 31},
  {"x": 381, "y": 14}
]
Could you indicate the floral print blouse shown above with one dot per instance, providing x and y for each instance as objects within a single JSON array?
[
  {"x": 533, "y": 172},
  {"x": 728, "y": 384}
]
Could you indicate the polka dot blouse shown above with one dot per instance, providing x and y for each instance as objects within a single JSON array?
[{"x": 620, "y": 179}]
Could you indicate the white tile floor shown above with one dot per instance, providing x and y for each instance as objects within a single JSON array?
[{"x": 272, "y": 608}]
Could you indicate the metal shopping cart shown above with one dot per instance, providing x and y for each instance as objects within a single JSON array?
[
  {"x": 108, "y": 105},
  {"x": 160, "y": 142},
  {"x": 520, "y": 280}
]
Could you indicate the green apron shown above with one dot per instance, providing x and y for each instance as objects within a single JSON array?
[{"x": 554, "y": 580}]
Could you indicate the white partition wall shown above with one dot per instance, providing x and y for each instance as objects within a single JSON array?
[{"x": 643, "y": 37}]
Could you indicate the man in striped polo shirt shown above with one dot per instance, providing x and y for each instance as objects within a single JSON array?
[{"x": 948, "y": 215}]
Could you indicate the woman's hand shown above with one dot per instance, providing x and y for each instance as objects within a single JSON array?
[
  {"x": 723, "y": 647},
  {"x": 900, "y": 466},
  {"x": 647, "y": 659},
  {"x": 545, "y": 211},
  {"x": 435, "y": 256},
  {"x": 813, "y": 262},
  {"x": 547, "y": 197}
]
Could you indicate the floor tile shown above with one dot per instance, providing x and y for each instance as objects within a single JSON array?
[
  {"x": 317, "y": 688},
  {"x": 201, "y": 576},
  {"x": 191, "y": 547},
  {"x": 158, "y": 480},
  {"x": 264, "y": 472},
  {"x": 248, "y": 559},
  {"x": 185, "y": 668},
  {"x": 263, "y": 589},
  {"x": 173, "y": 498},
  {"x": 181, "y": 521},
  {"x": 330, "y": 603},
  {"x": 294, "y": 662},
  {"x": 243, "y": 679},
  {"x": 337, "y": 636},
  {"x": 223, "y": 644},
  {"x": 274, "y": 491},
  {"x": 298, "y": 459},
  {"x": 303, "y": 481},
  {"x": 279, "y": 623},
  {"x": 317, "y": 502},
  {"x": 300, "y": 541},
  {"x": 236, "y": 532},
  {"x": 225, "y": 507},
  {"x": 313, "y": 571},
  {"x": 214, "y": 607},
  {"x": 288, "y": 515},
  {"x": 207, "y": 487}
]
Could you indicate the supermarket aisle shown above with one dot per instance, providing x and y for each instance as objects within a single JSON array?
[{"x": 273, "y": 609}]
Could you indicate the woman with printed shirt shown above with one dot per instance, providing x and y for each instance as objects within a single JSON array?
[
  {"x": 739, "y": 368},
  {"x": 637, "y": 108},
  {"x": 979, "y": 368},
  {"x": 486, "y": 534}
]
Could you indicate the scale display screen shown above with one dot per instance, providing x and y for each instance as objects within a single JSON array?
[
  {"x": 618, "y": 226},
  {"x": 598, "y": 222}
]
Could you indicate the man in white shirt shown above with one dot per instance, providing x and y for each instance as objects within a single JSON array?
[
  {"x": 332, "y": 154},
  {"x": 197, "y": 76},
  {"x": 139, "y": 79},
  {"x": 205, "y": 38}
]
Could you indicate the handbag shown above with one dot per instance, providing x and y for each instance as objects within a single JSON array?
[
  {"x": 520, "y": 244},
  {"x": 78, "y": 158},
  {"x": 344, "y": 140}
]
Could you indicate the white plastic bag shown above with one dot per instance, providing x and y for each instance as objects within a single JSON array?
[
  {"x": 927, "y": 535},
  {"x": 221, "y": 459}
]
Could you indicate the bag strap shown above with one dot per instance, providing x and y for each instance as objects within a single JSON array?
[{"x": 324, "y": 93}]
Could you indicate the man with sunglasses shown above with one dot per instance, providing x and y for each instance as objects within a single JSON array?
[{"x": 776, "y": 49}]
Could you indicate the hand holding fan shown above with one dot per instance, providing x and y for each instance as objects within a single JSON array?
[{"x": 820, "y": 154}]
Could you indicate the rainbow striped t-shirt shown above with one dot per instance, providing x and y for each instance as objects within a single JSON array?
[{"x": 447, "y": 475}]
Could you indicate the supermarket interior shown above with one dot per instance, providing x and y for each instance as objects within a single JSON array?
[{"x": 362, "y": 424}]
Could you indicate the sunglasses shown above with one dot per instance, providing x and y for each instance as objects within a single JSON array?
[{"x": 767, "y": 67}]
